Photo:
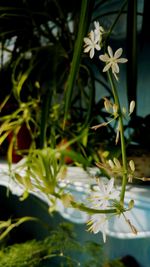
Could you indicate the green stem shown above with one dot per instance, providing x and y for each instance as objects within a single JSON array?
[
  {"x": 121, "y": 129},
  {"x": 117, "y": 18},
  {"x": 44, "y": 118},
  {"x": 82, "y": 207}
]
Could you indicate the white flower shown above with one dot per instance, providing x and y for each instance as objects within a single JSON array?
[
  {"x": 91, "y": 43},
  {"x": 112, "y": 60},
  {"x": 105, "y": 193},
  {"x": 98, "y": 223},
  {"x": 101, "y": 200},
  {"x": 98, "y": 31}
]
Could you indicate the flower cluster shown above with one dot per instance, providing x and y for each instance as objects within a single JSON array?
[
  {"x": 93, "y": 42},
  {"x": 101, "y": 199},
  {"x": 106, "y": 200},
  {"x": 114, "y": 168}
]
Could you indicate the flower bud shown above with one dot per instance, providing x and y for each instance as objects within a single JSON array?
[
  {"x": 132, "y": 106},
  {"x": 117, "y": 163},
  {"x": 111, "y": 164},
  {"x": 107, "y": 104},
  {"x": 132, "y": 165},
  {"x": 131, "y": 204},
  {"x": 115, "y": 109}
]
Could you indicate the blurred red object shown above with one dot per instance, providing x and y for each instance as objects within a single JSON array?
[{"x": 63, "y": 142}]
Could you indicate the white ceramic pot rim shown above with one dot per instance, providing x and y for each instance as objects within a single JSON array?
[{"x": 79, "y": 181}]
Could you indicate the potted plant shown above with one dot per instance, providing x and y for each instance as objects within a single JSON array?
[{"x": 59, "y": 113}]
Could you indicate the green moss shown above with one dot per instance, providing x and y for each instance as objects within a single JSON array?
[
  {"x": 23, "y": 255},
  {"x": 55, "y": 248},
  {"x": 60, "y": 249}
]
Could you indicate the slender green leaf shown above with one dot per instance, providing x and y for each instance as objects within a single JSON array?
[{"x": 85, "y": 14}]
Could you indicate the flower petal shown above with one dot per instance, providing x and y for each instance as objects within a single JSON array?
[
  {"x": 97, "y": 37},
  {"x": 110, "y": 52},
  {"x": 87, "y": 41},
  {"x": 116, "y": 77},
  {"x": 107, "y": 67},
  {"x": 122, "y": 60},
  {"x": 118, "y": 53},
  {"x": 110, "y": 185},
  {"x": 96, "y": 24},
  {"x": 98, "y": 28},
  {"x": 97, "y": 47},
  {"x": 102, "y": 187},
  {"x": 91, "y": 35},
  {"x": 115, "y": 68},
  {"x": 87, "y": 49},
  {"x": 104, "y": 58},
  {"x": 98, "y": 223},
  {"x": 92, "y": 53}
]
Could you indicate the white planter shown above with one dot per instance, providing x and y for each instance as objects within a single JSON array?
[{"x": 79, "y": 183}]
